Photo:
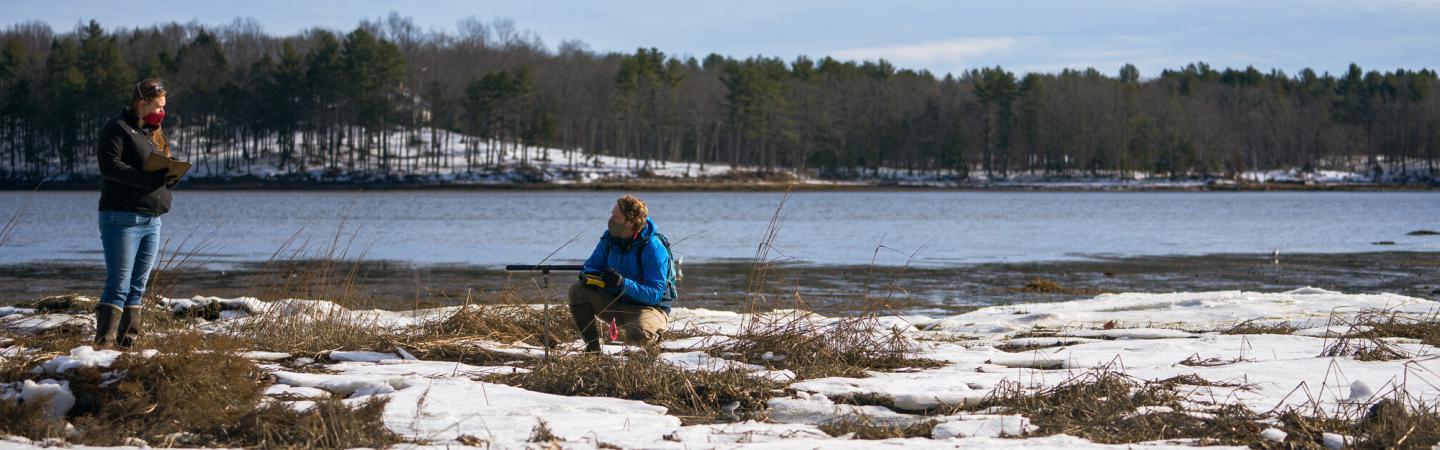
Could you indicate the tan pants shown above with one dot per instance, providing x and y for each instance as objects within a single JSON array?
[{"x": 642, "y": 324}]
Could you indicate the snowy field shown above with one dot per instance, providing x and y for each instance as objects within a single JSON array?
[{"x": 440, "y": 404}]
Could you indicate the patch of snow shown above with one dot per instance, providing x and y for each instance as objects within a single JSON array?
[
  {"x": 1334, "y": 441},
  {"x": 703, "y": 362},
  {"x": 13, "y": 310},
  {"x": 1273, "y": 435},
  {"x": 441, "y": 410},
  {"x": 295, "y": 391},
  {"x": 351, "y": 385},
  {"x": 362, "y": 356},
  {"x": 29, "y": 324},
  {"x": 983, "y": 426},
  {"x": 55, "y": 395},
  {"x": 817, "y": 409},
  {"x": 748, "y": 432},
  {"x": 265, "y": 356},
  {"x": 1127, "y": 333},
  {"x": 1189, "y": 310},
  {"x": 81, "y": 357}
]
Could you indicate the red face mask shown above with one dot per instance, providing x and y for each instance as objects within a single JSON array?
[{"x": 154, "y": 118}]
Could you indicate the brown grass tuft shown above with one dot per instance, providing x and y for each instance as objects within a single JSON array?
[
  {"x": 695, "y": 397},
  {"x": 329, "y": 424},
  {"x": 28, "y": 419},
  {"x": 542, "y": 434},
  {"x": 815, "y": 348},
  {"x": 506, "y": 323},
  {"x": 1255, "y": 326},
  {"x": 1366, "y": 332},
  {"x": 1108, "y": 407},
  {"x": 860, "y": 426},
  {"x": 168, "y": 393},
  {"x": 195, "y": 392}
]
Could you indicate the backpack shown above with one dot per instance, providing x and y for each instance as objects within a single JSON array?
[{"x": 672, "y": 291}]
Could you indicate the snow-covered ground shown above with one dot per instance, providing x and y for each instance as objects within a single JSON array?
[{"x": 1146, "y": 336}]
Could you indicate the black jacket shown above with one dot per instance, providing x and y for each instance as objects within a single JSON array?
[{"x": 121, "y": 152}]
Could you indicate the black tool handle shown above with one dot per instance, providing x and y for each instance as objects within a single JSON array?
[{"x": 546, "y": 268}]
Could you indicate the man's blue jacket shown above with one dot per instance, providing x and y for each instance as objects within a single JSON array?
[{"x": 643, "y": 261}]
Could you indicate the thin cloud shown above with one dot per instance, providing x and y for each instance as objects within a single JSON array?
[
  {"x": 947, "y": 51},
  {"x": 1431, "y": 5}
]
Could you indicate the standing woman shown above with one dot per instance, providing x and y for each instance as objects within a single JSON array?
[{"x": 131, "y": 202}]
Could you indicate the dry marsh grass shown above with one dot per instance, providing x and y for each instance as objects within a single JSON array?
[
  {"x": 862, "y": 427},
  {"x": 323, "y": 271},
  {"x": 695, "y": 397},
  {"x": 315, "y": 331},
  {"x": 1367, "y": 334},
  {"x": 196, "y": 392},
  {"x": 1257, "y": 326},
  {"x": 329, "y": 424},
  {"x": 813, "y": 347},
  {"x": 1108, "y": 407},
  {"x": 808, "y": 345},
  {"x": 1395, "y": 421},
  {"x": 165, "y": 394},
  {"x": 502, "y": 321},
  {"x": 13, "y": 222},
  {"x": 460, "y": 335}
]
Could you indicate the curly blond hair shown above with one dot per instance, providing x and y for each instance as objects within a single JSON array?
[{"x": 633, "y": 209}]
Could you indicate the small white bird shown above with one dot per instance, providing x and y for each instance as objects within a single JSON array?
[
  {"x": 771, "y": 356},
  {"x": 1360, "y": 392},
  {"x": 728, "y": 410}
]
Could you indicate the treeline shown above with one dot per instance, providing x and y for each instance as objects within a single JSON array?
[{"x": 335, "y": 103}]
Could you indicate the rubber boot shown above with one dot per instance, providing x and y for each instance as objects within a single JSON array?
[
  {"x": 585, "y": 322},
  {"x": 131, "y": 324},
  {"x": 107, "y": 321}
]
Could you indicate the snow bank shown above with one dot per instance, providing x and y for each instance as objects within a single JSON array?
[
  {"x": 442, "y": 410},
  {"x": 819, "y": 409},
  {"x": 1155, "y": 337},
  {"x": 1185, "y": 311},
  {"x": 24, "y": 322},
  {"x": 54, "y": 395},
  {"x": 81, "y": 357},
  {"x": 983, "y": 425}
]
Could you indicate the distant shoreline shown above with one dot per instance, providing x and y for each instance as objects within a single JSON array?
[{"x": 661, "y": 185}]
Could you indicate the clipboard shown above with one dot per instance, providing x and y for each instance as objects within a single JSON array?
[{"x": 158, "y": 162}]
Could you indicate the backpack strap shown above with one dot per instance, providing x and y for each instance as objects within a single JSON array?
[{"x": 640, "y": 259}]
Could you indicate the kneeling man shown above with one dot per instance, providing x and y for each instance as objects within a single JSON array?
[{"x": 628, "y": 280}]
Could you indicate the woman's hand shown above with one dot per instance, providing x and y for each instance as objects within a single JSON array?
[{"x": 158, "y": 179}]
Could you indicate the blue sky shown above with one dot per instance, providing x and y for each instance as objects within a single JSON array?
[{"x": 941, "y": 36}]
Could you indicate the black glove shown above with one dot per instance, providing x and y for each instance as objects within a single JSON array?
[
  {"x": 158, "y": 179},
  {"x": 613, "y": 281},
  {"x": 587, "y": 277}
]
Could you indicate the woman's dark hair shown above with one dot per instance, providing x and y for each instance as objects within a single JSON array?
[
  {"x": 147, "y": 90},
  {"x": 144, "y": 91}
]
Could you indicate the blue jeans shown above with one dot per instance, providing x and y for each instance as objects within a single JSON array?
[{"x": 131, "y": 241}]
